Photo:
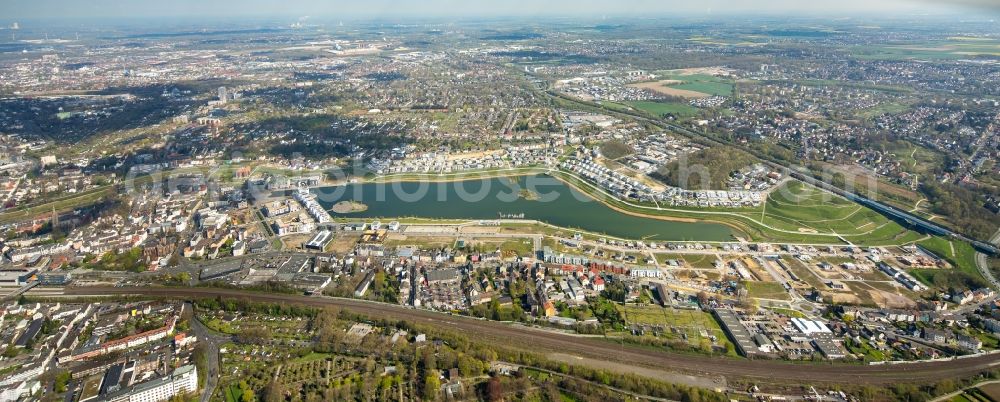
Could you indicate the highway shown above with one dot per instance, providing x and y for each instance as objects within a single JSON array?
[{"x": 544, "y": 341}]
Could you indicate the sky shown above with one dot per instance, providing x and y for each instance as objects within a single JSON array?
[{"x": 41, "y": 9}]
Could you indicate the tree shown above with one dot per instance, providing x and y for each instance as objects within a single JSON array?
[
  {"x": 944, "y": 387},
  {"x": 494, "y": 392},
  {"x": 247, "y": 396},
  {"x": 517, "y": 312},
  {"x": 705, "y": 345},
  {"x": 274, "y": 392},
  {"x": 615, "y": 149},
  {"x": 469, "y": 367},
  {"x": 691, "y": 395},
  {"x": 62, "y": 379},
  {"x": 253, "y": 336},
  {"x": 429, "y": 360},
  {"x": 431, "y": 385},
  {"x": 702, "y": 298}
]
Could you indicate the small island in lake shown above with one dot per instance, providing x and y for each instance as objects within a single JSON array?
[
  {"x": 348, "y": 207},
  {"x": 528, "y": 195}
]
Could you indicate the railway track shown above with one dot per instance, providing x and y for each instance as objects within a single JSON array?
[{"x": 543, "y": 341}]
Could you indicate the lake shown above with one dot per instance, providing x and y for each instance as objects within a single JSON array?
[{"x": 541, "y": 198}]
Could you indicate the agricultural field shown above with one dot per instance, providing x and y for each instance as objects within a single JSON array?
[
  {"x": 948, "y": 49},
  {"x": 743, "y": 40}
]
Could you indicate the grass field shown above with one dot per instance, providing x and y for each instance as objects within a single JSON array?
[
  {"x": 950, "y": 49},
  {"x": 690, "y": 323},
  {"x": 807, "y": 216},
  {"x": 960, "y": 255},
  {"x": 60, "y": 204},
  {"x": 232, "y": 393},
  {"x": 807, "y": 209},
  {"x": 767, "y": 290},
  {"x": 788, "y": 312},
  {"x": 915, "y": 158},
  {"x": 662, "y": 108},
  {"x": 521, "y": 247},
  {"x": 799, "y": 213},
  {"x": 693, "y": 260},
  {"x": 863, "y": 349},
  {"x": 890, "y": 107},
  {"x": 803, "y": 272},
  {"x": 853, "y": 84},
  {"x": 901, "y": 53},
  {"x": 704, "y": 83}
]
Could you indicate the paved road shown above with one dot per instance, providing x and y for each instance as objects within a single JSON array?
[
  {"x": 596, "y": 348},
  {"x": 949, "y": 397},
  {"x": 212, "y": 343},
  {"x": 983, "y": 264}
]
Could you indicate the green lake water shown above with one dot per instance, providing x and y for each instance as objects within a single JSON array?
[{"x": 541, "y": 198}]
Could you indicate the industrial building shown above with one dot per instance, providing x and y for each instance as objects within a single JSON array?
[{"x": 736, "y": 332}]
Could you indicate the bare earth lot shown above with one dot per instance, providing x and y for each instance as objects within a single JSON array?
[{"x": 664, "y": 87}]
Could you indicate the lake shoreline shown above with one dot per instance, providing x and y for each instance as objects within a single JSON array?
[{"x": 572, "y": 207}]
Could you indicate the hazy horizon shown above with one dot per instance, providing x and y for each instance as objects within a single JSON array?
[{"x": 120, "y": 9}]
